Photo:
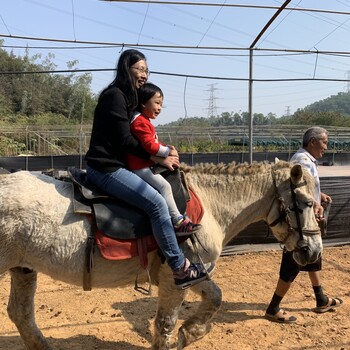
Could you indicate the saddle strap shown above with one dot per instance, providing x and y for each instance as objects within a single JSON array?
[
  {"x": 142, "y": 245},
  {"x": 142, "y": 250},
  {"x": 89, "y": 261}
]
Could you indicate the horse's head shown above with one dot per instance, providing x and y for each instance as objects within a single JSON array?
[{"x": 291, "y": 217}]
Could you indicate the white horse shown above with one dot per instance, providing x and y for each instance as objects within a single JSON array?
[{"x": 39, "y": 232}]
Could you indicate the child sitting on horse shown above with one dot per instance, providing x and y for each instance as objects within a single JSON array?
[{"x": 150, "y": 101}]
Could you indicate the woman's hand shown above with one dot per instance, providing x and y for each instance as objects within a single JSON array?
[{"x": 170, "y": 162}]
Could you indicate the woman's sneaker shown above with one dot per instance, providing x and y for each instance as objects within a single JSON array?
[
  {"x": 192, "y": 274},
  {"x": 185, "y": 228}
]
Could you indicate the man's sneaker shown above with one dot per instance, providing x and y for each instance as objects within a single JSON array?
[
  {"x": 195, "y": 273},
  {"x": 186, "y": 228}
]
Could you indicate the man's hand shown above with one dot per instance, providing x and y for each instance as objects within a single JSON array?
[
  {"x": 325, "y": 198},
  {"x": 318, "y": 210}
]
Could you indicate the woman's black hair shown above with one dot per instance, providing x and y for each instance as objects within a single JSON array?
[
  {"x": 145, "y": 92},
  {"x": 123, "y": 79}
]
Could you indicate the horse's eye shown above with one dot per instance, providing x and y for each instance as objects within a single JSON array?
[{"x": 309, "y": 204}]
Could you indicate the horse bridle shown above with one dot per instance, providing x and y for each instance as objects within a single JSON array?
[{"x": 285, "y": 211}]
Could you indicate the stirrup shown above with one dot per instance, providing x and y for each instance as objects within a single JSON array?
[
  {"x": 140, "y": 289},
  {"x": 195, "y": 241}
]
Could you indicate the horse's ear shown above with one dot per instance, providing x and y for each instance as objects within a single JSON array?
[
  {"x": 296, "y": 173},
  {"x": 276, "y": 160}
]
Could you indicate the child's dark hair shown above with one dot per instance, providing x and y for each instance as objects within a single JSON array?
[{"x": 145, "y": 92}]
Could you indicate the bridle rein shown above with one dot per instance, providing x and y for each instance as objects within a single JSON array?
[{"x": 284, "y": 215}]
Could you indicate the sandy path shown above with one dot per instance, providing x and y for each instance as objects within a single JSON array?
[{"x": 121, "y": 318}]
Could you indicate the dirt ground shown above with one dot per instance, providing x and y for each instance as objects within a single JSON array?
[{"x": 121, "y": 318}]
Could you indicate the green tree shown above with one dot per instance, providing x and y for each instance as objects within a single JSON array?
[{"x": 22, "y": 92}]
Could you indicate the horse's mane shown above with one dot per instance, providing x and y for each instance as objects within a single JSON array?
[
  {"x": 240, "y": 169},
  {"x": 281, "y": 169}
]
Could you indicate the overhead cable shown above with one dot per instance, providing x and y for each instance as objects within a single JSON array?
[
  {"x": 171, "y": 74},
  {"x": 155, "y": 46},
  {"x": 158, "y": 50},
  {"x": 191, "y": 3}
]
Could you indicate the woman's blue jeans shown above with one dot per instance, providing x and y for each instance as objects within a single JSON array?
[{"x": 127, "y": 186}]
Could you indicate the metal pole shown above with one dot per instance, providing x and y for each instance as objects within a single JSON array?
[
  {"x": 250, "y": 102},
  {"x": 81, "y": 137},
  {"x": 250, "y": 106}
]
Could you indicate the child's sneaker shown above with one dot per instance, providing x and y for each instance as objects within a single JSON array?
[
  {"x": 185, "y": 227},
  {"x": 191, "y": 274}
]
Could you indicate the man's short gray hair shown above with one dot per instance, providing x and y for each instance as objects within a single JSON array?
[{"x": 316, "y": 132}]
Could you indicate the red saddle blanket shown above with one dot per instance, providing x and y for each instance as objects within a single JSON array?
[{"x": 113, "y": 249}]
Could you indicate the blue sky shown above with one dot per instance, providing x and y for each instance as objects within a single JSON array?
[{"x": 225, "y": 32}]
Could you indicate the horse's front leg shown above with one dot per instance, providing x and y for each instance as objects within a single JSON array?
[
  {"x": 21, "y": 308},
  {"x": 169, "y": 304},
  {"x": 199, "y": 325}
]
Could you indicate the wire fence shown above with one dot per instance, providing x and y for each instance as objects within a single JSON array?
[
  {"x": 62, "y": 162},
  {"x": 74, "y": 139}
]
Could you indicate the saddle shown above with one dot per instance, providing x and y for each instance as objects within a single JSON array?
[
  {"x": 116, "y": 223},
  {"x": 115, "y": 218}
]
